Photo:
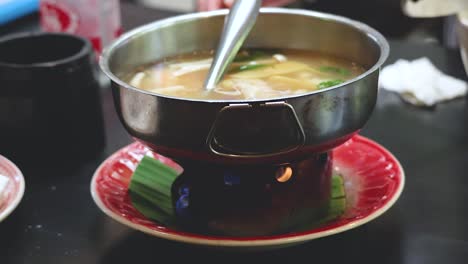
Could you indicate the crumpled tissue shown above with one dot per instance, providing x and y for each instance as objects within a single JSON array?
[{"x": 419, "y": 82}]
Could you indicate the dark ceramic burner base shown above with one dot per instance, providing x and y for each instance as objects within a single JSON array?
[{"x": 252, "y": 200}]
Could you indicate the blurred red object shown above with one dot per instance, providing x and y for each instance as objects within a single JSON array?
[{"x": 96, "y": 20}]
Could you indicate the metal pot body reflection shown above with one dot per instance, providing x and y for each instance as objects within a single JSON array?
[{"x": 247, "y": 131}]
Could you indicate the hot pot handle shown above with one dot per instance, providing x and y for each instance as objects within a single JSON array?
[{"x": 255, "y": 130}]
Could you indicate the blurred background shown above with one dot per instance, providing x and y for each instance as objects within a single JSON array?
[{"x": 385, "y": 15}]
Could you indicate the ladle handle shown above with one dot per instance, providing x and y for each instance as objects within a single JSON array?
[{"x": 237, "y": 26}]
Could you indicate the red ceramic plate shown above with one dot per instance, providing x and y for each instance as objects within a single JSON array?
[
  {"x": 15, "y": 188},
  {"x": 373, "y": 179}
]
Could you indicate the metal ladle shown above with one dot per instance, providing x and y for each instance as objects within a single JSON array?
[{"x": 237, "y": 26}]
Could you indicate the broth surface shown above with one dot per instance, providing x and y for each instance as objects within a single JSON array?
[{"x": 254, "y": 74}]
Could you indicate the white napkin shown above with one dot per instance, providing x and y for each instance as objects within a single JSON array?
[
  {"x": 3, "y": 185},
  {"x": 420, "y": 82}
]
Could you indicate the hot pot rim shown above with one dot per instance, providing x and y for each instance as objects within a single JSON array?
[{"x": 144, "y": 29}]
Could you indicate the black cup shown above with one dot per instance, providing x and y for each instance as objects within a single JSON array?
[{"x": 49, "y": 98}]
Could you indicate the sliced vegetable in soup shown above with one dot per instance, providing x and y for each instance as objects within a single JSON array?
[{"x": 254, "y": 74}]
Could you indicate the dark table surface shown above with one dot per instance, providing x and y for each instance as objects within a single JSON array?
[{"x": 57, "y": 221}]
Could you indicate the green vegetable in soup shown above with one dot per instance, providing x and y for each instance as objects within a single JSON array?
[
  {"x": 336, "y": 70},
  {"x": 151, "y": 190},
  {"x": 273, "y": 69},
  {"x": 244, "y": 56},
  {"x": 330, "y": 83},
  {"x": 247, "y": 67},
  {"x": 254, "y": 74}
]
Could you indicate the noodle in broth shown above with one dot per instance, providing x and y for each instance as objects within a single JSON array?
[{"x": 254, "y": 74}]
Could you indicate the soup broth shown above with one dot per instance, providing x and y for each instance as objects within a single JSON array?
[{"x": 254, "y": 74}]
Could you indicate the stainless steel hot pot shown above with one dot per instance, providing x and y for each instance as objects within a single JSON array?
[{"x": 247, "y": 131}]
